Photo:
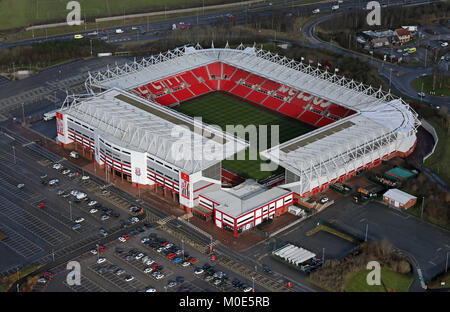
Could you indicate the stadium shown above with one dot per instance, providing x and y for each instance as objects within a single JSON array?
[{"x": 331, "y": 128}]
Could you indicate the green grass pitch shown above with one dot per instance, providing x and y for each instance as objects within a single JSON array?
[{"x": 222, "y": 109}]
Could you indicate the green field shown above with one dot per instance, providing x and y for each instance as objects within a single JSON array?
[
  {"x": 390, "y": 281},
  {"x": 221, "y": 109},
  {"x": 440, "y": 89},
  {"x": 439, "y": 162},
  {"x": 18, "y": 13}
]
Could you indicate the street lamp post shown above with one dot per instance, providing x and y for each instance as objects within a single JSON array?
[
  {"x": 446, "y": 263},
  {"x": 182, "y": 247},
  {"x": 253, "y": 286},
  {"x": 367, "y": 230},
  {"x": 70, "y": 209},
  {"x": 14, "y": 153}
]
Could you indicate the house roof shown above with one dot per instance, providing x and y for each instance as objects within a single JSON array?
[
  {"x": 399, "y": 196},
  {"x": 402, "y": 32}
]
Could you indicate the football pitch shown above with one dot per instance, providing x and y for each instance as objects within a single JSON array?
[{"x": 222, "y": 110}]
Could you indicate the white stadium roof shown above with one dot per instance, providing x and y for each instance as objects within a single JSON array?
[
  {"x": 132, "y": 122},
  {"x": 379, "y": 126}
]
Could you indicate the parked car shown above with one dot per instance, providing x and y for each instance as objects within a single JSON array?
[
  {"x": 53, "y": 182},
  {"x": 101, "y": 260},
  {"x": 57, "y": 166},
  {"x": 79, "y": 220},
  {"x": 74, "y": 154},
  {"x": 129, "y": 278},
  {"x": 76, "y": 226},
  {"x": 120, "y": 272},
  {"x": 93, "y": 210},
  {"x": 104, "y": 217},
  {"x": 103, "y": 232},
  {"x": 198, "y": 271},
  {"x": 85, "y": 177}
]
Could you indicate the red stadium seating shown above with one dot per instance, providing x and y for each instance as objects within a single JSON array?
[
  {"x": 269, "y": 85},
  {"x": 200, "y": 89},
  {"x": 241, "y": 91},
  {"x": 174, "y": 82},
  {"x": 303, "y": 106},
  {"x": 256, "y": 96},
  {"x": 201, "y": 72},
  {"x": 301, "y": 99},
  {"x": 284, "y": 91},
  {"x": 189, "y": 78},
  {"x": 323, "y": 122},
  {"x": 166, "y": 100},
  {"x": 291, "y": 109},
  {"x": 273, "y": 103},
  {"x": 337, "y": 110},
  {"x": 227, "y": 70},
  {"x": 215, "y": 69},
  {"x": 310, "y": 117},
  {"x": 319, "y": 104},
  {"x": 183, "y": 94},
  {"x": 226, "y": 85},
  {"x": 156, "y": 87},
  {"x": 239, "y": 74},
  {"x": 254, "y": 80},
  {"x": 213, "y": 84}
]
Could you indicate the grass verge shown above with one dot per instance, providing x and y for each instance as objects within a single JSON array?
[{"x": 390, "y": 282}]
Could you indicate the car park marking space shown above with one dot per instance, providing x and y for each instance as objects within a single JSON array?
[
  {"x": 86, "y": 285},
  {"x": 119, "y": 281},
  {"x": 31, "y": 223},
  {"x": 138, "y": 265},
  {"x": 18, "y": 243}
]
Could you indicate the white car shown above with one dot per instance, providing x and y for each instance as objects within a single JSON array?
[
  {"x": 20, "y": 186},
  {"x": 57, "y": 166},
  {"x": 79, "y": 220},
  {"x": 324, "y": 200},
  {"x": 444, "y": 44},
  {"x": 65, "y": 171},
  {"x": 198, "y": 271},
  {"x": 42, "y": 280},
  {"x": 168, "y": 245},
  {"x": 148, "y": 270},
  {"x": 150, "y": 289},
  {"x": 101, "y": 260},
  {"x": 92, "y": 203},
  {"x": 160, "y": 249},
  {"x": 134, "y": 220},
  {"x": 149, "y": 262},
  {"x": 144, "y": 239},
  {"x": 81, "y": 195},
  {"x": 85, "y": 177},
  {"x": 74, "y": 192},
  {"x": 159, "y": 276},
  {"x": 123, "y": 240},
  {"x": 421, "y": 94},
  {"x": 186, "y": 263},
  {"x": 129, "y": 278},
  {"x": 315, "y": 11},
  {"x": 93, "y": 210},
  {"x": 94, "y": 251},
  {"x": 53, "y": 182},
  {"x": 119, "y": 31},
  {"x": 139, "y": 256},
  {"x": 248, "y": 289}
]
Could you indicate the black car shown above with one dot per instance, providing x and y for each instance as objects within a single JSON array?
[
  {"x": 147, "y": 225},
  {"x": 112, "y": 267},
  {"x": 119, "y": 250},
  {"x": 44, "y": 182},
  {"x": 123, "y": 223},
  {"x": 104, "y": 209},
  {"x": 133, "y": 251},
  {"x": 267, "y": 269},
  {"x": 97, "y": 206},
  {"x": 76, "y": 200},
  {"x": 152, "y": 235},
  {"x": 109, "y": 212},
  {"x": 180, "y": 279},
  {"x": 134, "y": 233},
  {"x": 139, "y": 229},
  {"x": 206, "y": 267},
  {"x": 235, "y": 282},
  {"x": 116, "y": 214}
]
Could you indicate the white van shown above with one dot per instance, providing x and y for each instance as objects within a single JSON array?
[
  {"x": 315, "y": 11},
  {"x": 81, "y": 195},
  {"x": 335, "y": 7},
  {"x": 119, "y": 31},
  {"x": 74, "y": 154}
]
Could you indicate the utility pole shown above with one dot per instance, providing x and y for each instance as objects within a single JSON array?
[
  {"x": 14, "y": 153},
  {"x": 53, "y": 255},
  {"x": 367, "y": 230},
  {"x": 91, "y": 46},
  {"x": 323, "y": 255},
  {"x": 70, "y": 209},
  {"x": 253, "y": 288},
  {"x": 446, "y": 263},
  {"x": 423, "y": 201}
]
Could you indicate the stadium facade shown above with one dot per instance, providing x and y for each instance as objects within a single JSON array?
[{"x": 125, "y": 123}]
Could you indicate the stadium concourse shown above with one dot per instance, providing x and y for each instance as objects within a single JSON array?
[{"x": 124, "y": 125}]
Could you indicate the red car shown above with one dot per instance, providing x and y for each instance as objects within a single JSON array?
[
  {"x": 125, "y": 236},
  {"x": 48, "y": 275},
  {"x": 193, "y": 260},
  {"x": 41, "y": 205},
  {"x": 171, "y": 255},
  {"x": 101, "y": 248},
  {"x": 289, "y": 284},
  {"x": 165, "y": 244},
  {"x": 155, "y": 266}
]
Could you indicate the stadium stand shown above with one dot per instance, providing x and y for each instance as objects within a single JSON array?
[
  {"x": 292, "y": 110},
  {"x": 241, "y": 91},
  {"x": 166, "y": 100},
  {"x": 189, "y": 78},
  {"x": 200, "y": 89},
  {"x": 256, "y": 96},
  {"x": 183, "y": 94},
  {"x": 318, "y": 104},
  {"x": 227, "y": 71},
  {"x": 215, "y": 70},
  {"x": 213, "y": 84},
  {"x": 174, "y": 82},
  {"x": 309, "y": 117},
  {"x": 337, "y": 110},
  {"x": 157, "y": 87},
  {"x": 254, "y": 80},
  {"x": 269, "y": 85},
  {"x": 201, "y": 72},
  {"x": 272, "y": 103},
  {"x": 323, "y": 122},
  {"x": 239, "y": 74}
]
